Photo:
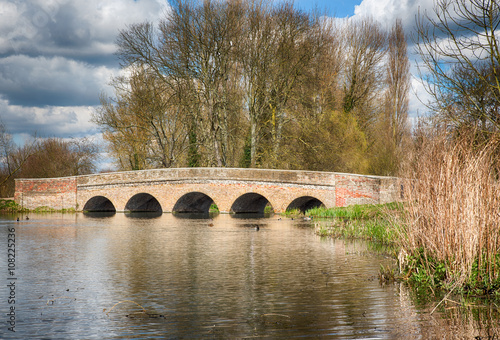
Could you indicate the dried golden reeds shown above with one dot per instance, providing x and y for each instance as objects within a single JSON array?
[{"x": 452, "y": 190}]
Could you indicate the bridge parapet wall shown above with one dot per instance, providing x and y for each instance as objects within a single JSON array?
[
  {"x": 233, "y": 174},
  {"x": 55, "y": 193}
]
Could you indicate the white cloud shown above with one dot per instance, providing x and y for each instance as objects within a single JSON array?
[
  {"x": 56, "y": 56},
  {"x": 419, "y": 98},
  {"x": 387, "y": 11},
  {"x": 48, "y": 121}
]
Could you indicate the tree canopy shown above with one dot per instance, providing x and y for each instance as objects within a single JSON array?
[{"x": 258, "y": 84}]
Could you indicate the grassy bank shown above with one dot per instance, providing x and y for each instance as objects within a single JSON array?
[
  {"x": 370, "y": 222},
  {"x": 447, "y": 233},
  {"x": 8, "y": 206},
  {"x": 386, "y": 224}
]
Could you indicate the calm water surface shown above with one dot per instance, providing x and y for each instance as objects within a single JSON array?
[{"x": 83, "y": 277}]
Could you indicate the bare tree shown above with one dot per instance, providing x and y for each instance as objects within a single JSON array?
[
  {"x": 192, "y": 52},
  {"x": 303, "y": 38},
  {"x": 144, "y": 124},
  {"x": 6, "y": 149},
  {"x": 278, "y": 47},
  {"x": 398, "y": 84},
  {"x": 12, "y": 159},
  {"x": 84, "y": 156},
  {"x": 256, "y": 53},
  {"x": 55, "y": 157},
  {"x": 461, "y": 61},
  {"x": 365, "y": 49}
]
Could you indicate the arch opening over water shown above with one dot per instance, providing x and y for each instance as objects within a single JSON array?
[
  {"x": 193, "y": 202},
  {"x": 143, "y": 202},
  {"x": 305, "y": 203},
  {"x": 250, "y": 203},
  {"x": 99, "y": 204}
]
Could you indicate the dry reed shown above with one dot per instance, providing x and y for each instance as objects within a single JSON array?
[{"x": 452, "y": 213}]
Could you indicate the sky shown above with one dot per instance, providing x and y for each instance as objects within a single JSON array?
[{"x": 57, "y": 56}]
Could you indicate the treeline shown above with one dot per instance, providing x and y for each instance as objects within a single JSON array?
[
  {"x": 258, "y": 84},
  {"x": 42, "y": 158}
]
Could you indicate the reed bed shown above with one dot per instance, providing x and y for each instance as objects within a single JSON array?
[{"x": 452, "y": 214}]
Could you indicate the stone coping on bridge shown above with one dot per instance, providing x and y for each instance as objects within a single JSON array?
[
  {"x": 234, "y": 174},
  {"x": 237, "y": 174}
]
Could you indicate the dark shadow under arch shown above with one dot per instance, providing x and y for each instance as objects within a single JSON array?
[
  {"x": 193, "y": 202},
  {"x": 99, "y": 204},
  {"x": 250, "y": 203},
  {"x": 143, "y": 202},
  {"x": 305, "y": 203}
]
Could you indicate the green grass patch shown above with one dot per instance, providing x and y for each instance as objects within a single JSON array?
[
  {"x": 9, "y": 206},
  {"x": 370, "y": 222},
  {"x": 377, "y": 230},
  {"x": 356, "y": 212},
  {"x": 426, "y": 272},
  {"x": 44, "y": 209},
  {"x": 292, "y": 213}
]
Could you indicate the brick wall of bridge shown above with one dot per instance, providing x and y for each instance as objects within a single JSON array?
[
  {"x": 223, "y": 185},
  {"x": 55, "y": 193}
]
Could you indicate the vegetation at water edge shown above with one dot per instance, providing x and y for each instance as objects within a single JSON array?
[
  {"x": 370, "y": 222},
  {"x": 9, "y": 206}
]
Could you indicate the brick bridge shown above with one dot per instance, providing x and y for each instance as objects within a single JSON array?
[{"x": 195, "y": 189}]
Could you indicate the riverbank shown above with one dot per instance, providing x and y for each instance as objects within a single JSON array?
[
  {"x": 375, "y": 223},
  {"x": 9, "y": 206},
  {"x": 389, "y": 224}
]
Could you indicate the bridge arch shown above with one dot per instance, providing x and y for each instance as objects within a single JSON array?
[
  {"x": 143, "y": 202},
  {"x": 305, "y": 203},
  {"x": 99, "y": 204},
  {"x": 251, "y": 202},
  {"x": 193, "y": 202}
]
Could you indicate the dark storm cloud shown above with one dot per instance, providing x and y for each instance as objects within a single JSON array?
[
  {"x": 68, "y": 30},
  {"x": 55, "y": 81}
]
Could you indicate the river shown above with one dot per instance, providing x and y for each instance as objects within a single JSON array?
[{"x": 79, "y": 276}]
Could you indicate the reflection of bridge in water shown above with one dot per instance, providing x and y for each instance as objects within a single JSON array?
[{"x": 194, "y": 190}]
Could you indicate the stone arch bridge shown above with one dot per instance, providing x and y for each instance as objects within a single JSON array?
[{"x": 195, "y": 189}]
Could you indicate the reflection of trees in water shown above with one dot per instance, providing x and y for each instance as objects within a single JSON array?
[
  {"x": 477, "y": 321},
  {"x": 453, "y": 319}
]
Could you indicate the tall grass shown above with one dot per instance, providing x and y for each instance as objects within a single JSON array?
[
  {"x": 369, "y": 221},
  {"x": 377, "y": 230},
  {"x": 452, "y": 215},
  {"x": 354, "y": 212}
]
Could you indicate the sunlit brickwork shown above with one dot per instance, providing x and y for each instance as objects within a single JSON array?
[{"x": 223, "y": 185}]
